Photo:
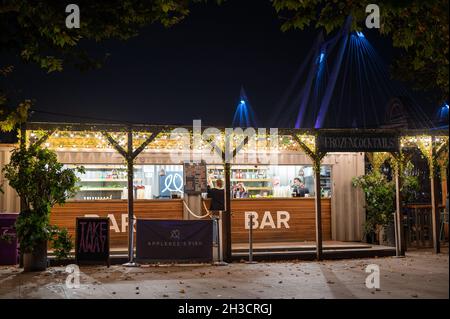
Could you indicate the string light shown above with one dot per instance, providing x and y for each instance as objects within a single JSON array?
[{"x": 81, "y": 140}]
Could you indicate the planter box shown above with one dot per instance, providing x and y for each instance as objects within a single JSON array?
[{"x": 36, "y": 260}]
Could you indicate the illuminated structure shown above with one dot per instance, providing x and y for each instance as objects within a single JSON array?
[
  {"x": 343, "y": 83},
  {"x": 244, "y": 116}
]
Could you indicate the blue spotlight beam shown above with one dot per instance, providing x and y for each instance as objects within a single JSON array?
[
  {"x": 330, "y": 88},
  {"x": 244, "y": 116},
  {"x": 307, "y": 88}
]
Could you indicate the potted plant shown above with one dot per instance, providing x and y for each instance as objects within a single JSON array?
[
  {"x": 61, "y": 243},
  {"x": 380, "y": 202},
  {"x": 41, "y": 182}
]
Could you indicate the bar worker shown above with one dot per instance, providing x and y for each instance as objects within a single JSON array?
[{"x": 298, "y": 188}]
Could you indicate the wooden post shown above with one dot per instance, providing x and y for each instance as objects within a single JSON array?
[
  {"x": 129, "y": 160},
  {"x": 129, "y": 155},
  {"x": 316, "y": 156},
  {"x": 22, "y": 205},
  {"x": 318, "y": 209},
  {"x": 226, "y": 222},
  {"x": 435, "y": 214},
  {"x": 227, "y": 156},
  {"x": 400, "y": 246}
]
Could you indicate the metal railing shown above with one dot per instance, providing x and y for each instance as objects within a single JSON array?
[{"x": 419, "y": 231}]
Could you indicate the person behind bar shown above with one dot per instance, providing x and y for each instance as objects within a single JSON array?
[
  {"x": 299, "y": 189},
  {"x": 240, "y": 191},
  {"x": 295, "y": 187},
  {"x": 303, "y": 190},
  {"x": 217, "y": 195}
]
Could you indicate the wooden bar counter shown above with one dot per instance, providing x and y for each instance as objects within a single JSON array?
[
  {"x": 116, "y": 210},
  {"x": 277, "y": 219}
]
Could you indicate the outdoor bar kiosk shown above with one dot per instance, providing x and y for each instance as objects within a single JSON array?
[{"x": 260, "y": 180}]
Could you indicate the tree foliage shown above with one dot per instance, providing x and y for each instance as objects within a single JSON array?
[
  {"x": 10, "y": 117},
  {"x": 420, "y": 28},
  {"x": 39, "y": 179},
  {"x": 36, "y": 29},
  {"x": 36, "y": 32},
  {"x": 380, "y": 199},
  {"x": 379, "y": 191},
  {"x": 41, "y": 182}
]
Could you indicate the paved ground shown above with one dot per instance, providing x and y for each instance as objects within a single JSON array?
[{"x": 419, "y": 275}]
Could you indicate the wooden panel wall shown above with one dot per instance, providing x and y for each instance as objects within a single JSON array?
[
  {"x": 301, "y": 217},
  {"x": 301, "y": 222},
  {"x": 65, "y": 216},
  {"x": 347, "y": 204},
  {"x": 9, "y": 200},
  {"x": 348, "y": 214}
]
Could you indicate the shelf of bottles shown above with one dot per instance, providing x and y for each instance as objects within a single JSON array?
[
  {"x": 273, "y": 181},
  {"x": 325, "y": 181},
  {"x": 255, "y": 179},
  {"x": 102, "y": 182}
]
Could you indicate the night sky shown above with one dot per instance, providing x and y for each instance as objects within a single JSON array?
[{"x": 193, "y": 70}]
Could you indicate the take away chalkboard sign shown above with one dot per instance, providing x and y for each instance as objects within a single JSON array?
[{"x": 92, "y": 240}]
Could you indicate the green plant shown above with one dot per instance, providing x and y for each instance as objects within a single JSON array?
[
  {"x": 410, "y": 184},
  {"x": 61, "y": 243},
  {"x": 41, "y": 182},
  {"x": 380, "y": 199},
  {"x": 32, "y": 228},
  {"x": 380, "y": 192}
]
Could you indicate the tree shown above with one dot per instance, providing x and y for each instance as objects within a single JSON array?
[
  {"x": 36, "y": 32},
  {"x": 41, "y": 182},
  {"x": 419, "y": 28}
]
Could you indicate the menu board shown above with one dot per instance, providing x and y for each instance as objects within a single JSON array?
[
  {"x": 195, "y": 180},
  {"x": 92, "y": 240}
]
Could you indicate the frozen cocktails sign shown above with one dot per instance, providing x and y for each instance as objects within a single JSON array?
[{"x": 358, "y": 143}]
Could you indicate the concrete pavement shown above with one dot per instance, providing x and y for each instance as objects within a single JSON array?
[{"x": 420, "y": 275}]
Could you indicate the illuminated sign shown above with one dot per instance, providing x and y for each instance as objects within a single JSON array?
[{"x": 358, "y": 143}]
